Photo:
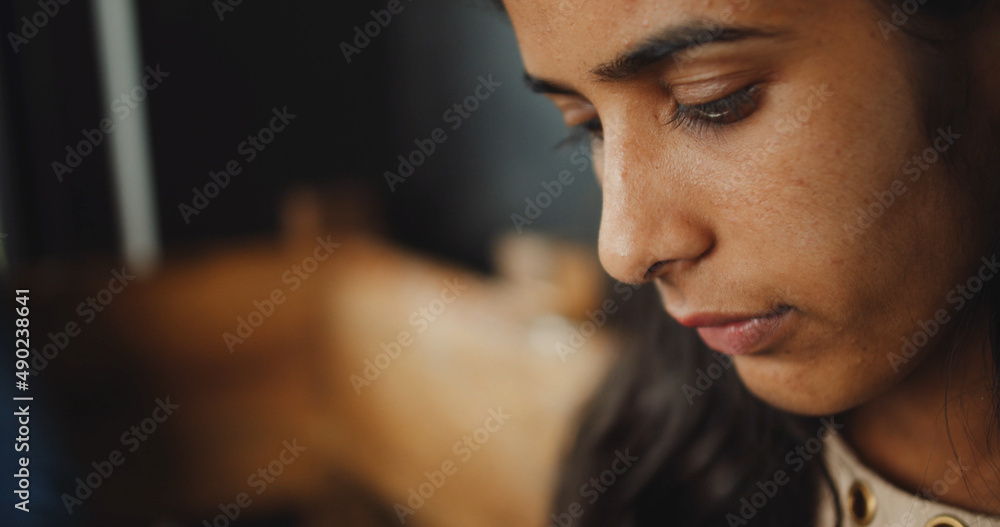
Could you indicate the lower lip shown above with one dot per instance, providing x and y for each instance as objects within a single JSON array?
[{"x": 745, "y": 336}]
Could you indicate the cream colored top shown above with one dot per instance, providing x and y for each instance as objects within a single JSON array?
[{"x": 864, "y": 493}]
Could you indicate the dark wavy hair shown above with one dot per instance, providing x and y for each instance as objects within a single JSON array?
[{"x": 702, "y": 452}]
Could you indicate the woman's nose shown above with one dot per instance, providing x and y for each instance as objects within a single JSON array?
[{"x": 650, "y": 222}]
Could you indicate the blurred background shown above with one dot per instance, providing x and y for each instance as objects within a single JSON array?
[{"x": 290, "y": 263}]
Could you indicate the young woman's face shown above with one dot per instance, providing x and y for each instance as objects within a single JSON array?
[{"x": 766, "y": 180}]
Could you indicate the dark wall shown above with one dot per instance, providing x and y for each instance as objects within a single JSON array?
[{"x": 228, "y": 71}]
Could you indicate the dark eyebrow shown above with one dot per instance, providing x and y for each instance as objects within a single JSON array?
[
  {"x": 671, "y": 42},
  {"x": 668, "y": 42}
]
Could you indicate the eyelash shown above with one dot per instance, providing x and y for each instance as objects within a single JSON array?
[
  {"x": 698, "y": 117},
  {"x": 582, "y": 133},
  {"x": 718, "y": 113}
]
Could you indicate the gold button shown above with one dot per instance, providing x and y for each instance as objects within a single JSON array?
[
  {"x": 861, "y": 503},
  {"x": 944, "y": 521}
]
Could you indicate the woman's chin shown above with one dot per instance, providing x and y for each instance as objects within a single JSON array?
[{"x": 805, "y": 389}]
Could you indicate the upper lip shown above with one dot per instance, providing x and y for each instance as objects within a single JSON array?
[{"x": 699, "y": 320}]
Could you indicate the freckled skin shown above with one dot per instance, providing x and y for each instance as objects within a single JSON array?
[
  {"x": 754, "y": 215},
  {"x": 757, "y": 213}
]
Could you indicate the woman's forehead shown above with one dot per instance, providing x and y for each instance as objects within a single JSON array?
[{"x": 575, "y": 36}]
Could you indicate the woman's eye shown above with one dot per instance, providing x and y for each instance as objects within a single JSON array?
[
  {"x": 714, "y": 114},
  {"x": 591, "y": 130},
  {"x": 727, "y": 110}
]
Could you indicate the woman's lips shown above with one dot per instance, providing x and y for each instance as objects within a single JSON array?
[{"x": 738, "y": 335}]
